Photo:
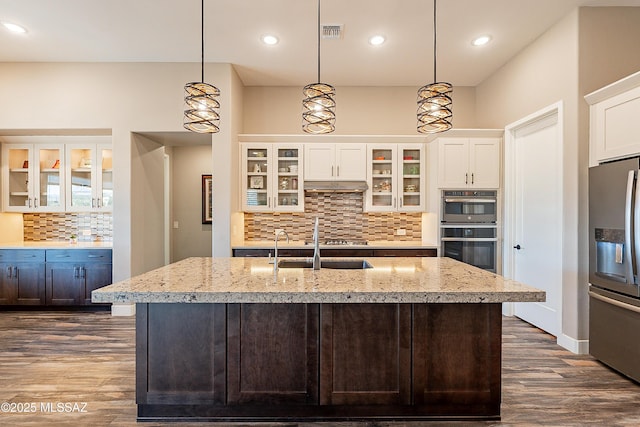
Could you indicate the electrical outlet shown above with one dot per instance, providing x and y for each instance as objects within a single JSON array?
[
  {"x": 86, "y": 232},
  {"x": 278, "y": 230},
  {"x": 175, "y": 224},
  {"x": 401, "y": 232}
]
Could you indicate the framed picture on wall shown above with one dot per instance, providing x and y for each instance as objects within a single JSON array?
[{"x": 207, "y": 199}]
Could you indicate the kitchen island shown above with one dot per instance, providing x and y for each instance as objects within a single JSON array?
[{"x": 230, "y": 339}]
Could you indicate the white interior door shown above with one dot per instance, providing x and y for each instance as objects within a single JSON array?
[{"x": 533, "y": 215}]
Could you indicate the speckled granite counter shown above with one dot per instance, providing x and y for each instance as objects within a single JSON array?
[
  {"x": 56, "y": 244},
  {"x": 252, "y": 280}
]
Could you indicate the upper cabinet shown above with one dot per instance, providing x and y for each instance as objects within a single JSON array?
[
  {"x": 33, "y": 177},
  {"x": 51, "y": 173},
  {"x": 271, "y": 175},
  {"x": 614, "y": 124},
  {"x": 469, "y": 162},
  {"x": 396, "y": 177},
  {"x": 89, "y": 183},
  {"x": 341, "y": 162}
]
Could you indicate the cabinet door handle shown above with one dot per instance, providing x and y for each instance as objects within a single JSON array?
[
  {"x": 83, "y": 272},
  {"x": 9, "y": 272},
  {"x": 35, "y": 202},
  {"x": 472, "y": 178},
  {"x": 466, "y": 178},
  {"x": 394, "y": 202},
  {"x": 400, "y": 201},
  {"x": 338, "y": 170},
  {"x": 15, "y": 272},
  {"x": 94, "y": 256},
  {"x": 93, "y": 203},
  {"x": 75, "y": 272},
  {"x": 98, "y": 202},
  {"x": 331, "y": 170},
  {"x": 29, "y": 202}
]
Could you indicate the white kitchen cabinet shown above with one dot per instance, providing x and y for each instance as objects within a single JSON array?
[
  {"x": 89, "y": 178},
  {"x": 33, "y": 177},
  {"x": 396, "y": 178},
  {"x": 271, "y": 176},
  {"x": 469, "y": 162},
  {"x": 614, "y": 124},
  {"x": 337, "y": 162}
]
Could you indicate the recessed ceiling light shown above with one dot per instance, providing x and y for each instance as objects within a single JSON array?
[
  {"x": 481, "y": 41},
  {"x": 269, "y": 39},
  {"x": 14, "y": 28},
  {"x": 377, "y": 40}
]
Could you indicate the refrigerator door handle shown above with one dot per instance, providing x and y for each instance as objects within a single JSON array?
[
  {"x": 636, "y": 229},
  {"x": 628, "y": 224}
]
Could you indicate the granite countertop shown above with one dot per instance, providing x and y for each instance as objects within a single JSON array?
[
  {"x": 58, "y": 244},
  {"x": 252, "y": 280},
  {"x": 300, "y": 244}
]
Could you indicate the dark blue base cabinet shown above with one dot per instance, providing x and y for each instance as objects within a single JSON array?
[
  {"x": 288, "y": 362},
  {"x": 49, "y": 277}
]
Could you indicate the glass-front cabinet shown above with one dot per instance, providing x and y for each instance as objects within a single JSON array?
[
  {"x": 272, "y": 177},
  {"x": 90, "y": 177},
  {"x": 33, "y": 177},
  {"x": 396, "y": 175}
]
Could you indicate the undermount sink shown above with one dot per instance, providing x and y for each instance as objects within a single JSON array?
[{"x": 340, "y": 264}]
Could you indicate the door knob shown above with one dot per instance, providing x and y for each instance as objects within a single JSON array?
[{"x": 517, "y": 247}]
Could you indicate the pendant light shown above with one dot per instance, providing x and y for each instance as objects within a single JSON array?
[
  {"x": 434, "y": 100},
  {"x": 318, "y": 105},
  {"x": 201, "y": 113}
]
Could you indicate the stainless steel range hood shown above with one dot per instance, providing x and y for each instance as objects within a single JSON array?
[{"x": 335, "y": 186}]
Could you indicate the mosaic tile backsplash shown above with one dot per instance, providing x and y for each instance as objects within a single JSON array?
[
  {"x": 60, "y": 226},
  {"x": 341, "y": 217}
]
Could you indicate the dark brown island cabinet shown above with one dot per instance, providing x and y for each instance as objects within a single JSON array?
[
  {"x": 271, "y": 361},
  {"x": 53, "y": 276}
]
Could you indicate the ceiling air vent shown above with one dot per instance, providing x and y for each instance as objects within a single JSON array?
[{"x": 332, "y": 31}]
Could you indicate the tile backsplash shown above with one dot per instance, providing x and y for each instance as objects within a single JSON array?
[
  {"x": 60, "y": 226},
  {"x": 341, "y": 217}
]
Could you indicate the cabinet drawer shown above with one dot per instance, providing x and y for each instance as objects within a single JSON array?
[
  {"x": 22, "y": 255},
  {"x": 79, "y": 255},
  {"x": 425, "y": 252}
]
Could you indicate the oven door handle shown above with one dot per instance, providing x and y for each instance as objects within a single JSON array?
[{"x": 467, "y": 200}]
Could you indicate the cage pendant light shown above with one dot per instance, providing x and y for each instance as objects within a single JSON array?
[
  {"x": 318, "y": 105},
  {"x": 434, "y": 100},
  {"x": 201, "y": 112}
]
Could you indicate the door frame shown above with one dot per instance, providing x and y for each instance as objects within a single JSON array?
[{"x": 509, "y": 224}]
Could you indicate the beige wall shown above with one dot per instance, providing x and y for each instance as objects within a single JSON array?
[
  {"x": 147, "y": 207},
  {"x": 119, "y": 98},
  {"x": 588, "y": 49},
  {"x": 359, "y": 110},
  {"x": 542, "y": 74},
  {"x": 191, "y": 238},
  {"x": 608, "y": 51}
]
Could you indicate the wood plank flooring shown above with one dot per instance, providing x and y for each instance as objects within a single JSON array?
[{"x": 51, "y": 357}]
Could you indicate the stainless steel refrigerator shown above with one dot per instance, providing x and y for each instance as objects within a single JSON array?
[{"x": 614, "y": 261}]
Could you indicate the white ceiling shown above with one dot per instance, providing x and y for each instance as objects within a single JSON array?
[{"x": 169, "y": 31}]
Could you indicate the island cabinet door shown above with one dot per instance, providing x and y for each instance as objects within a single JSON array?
[
  {"x": 457, "y": 359},
  {"x": 272, "y": 354},
  {"x": 365, "y": 352},
  {"x": 180, "y": 354}
]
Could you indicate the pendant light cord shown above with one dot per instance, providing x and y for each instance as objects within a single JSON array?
[
  {"x": 435, "y": 56},
  {"x": 318, "y": 41},
  {"x": 202, "y": 34}
]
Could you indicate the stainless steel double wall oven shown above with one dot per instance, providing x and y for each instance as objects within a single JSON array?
[{"x": 468, "y": 228}]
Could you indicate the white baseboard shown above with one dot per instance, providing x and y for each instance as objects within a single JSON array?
[
  {"x": 573, "y": 345},
  {"x": 123, "y": 309}
]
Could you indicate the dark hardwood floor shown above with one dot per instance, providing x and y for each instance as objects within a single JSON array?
[{"x": 53, "y": 357}]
